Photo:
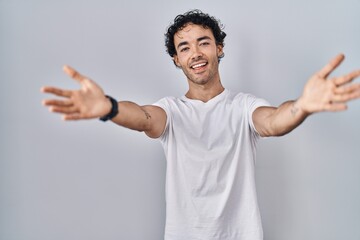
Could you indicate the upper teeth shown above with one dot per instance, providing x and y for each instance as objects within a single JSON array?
[{"x": 198, "y": 65}]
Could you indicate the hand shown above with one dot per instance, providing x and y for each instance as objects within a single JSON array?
[
  {"x": 322, "y": 94},
  {"x": 86, "y": 103}
]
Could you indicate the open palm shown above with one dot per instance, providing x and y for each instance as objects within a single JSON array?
[
  {"x": 323, "y": 94},
  {"x": 85, "y": 103}
]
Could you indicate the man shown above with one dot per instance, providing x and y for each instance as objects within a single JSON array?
[{"x": 209, "y": 135}]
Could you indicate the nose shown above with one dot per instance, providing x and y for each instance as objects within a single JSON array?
[{"x": 197, "y": 54}]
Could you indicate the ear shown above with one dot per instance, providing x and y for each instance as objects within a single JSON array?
[
  {"x": 220, "y": 51},
  {"x": 176, "y": 61}
]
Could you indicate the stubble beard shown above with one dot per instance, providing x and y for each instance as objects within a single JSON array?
[{"x": 203, "y": 78}]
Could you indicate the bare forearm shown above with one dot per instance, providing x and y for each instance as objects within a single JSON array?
[
  {"x": 132, "y": 116},
  {"x": 287, "y": 117},
  {"x": 90, "y": 102},
  {"x": 320, "y": 93},
  {"x": 271, "y": 121}
]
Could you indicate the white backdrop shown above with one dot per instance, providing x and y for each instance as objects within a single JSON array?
[{"x": 92, "y": 180}]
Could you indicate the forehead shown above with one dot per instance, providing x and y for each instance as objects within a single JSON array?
[{"x": 192, "y": 32}]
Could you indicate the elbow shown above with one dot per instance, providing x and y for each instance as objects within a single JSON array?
[
  {"x": 274, "y": 134},
  {"x": 274, "y": 131}
]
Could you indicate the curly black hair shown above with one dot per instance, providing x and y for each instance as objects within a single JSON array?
[{"x": 196, "y": 17}]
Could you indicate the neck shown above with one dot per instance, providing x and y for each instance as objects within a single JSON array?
[{"x": 204, "y": 92}]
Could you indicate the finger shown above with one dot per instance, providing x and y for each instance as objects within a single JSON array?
[
  {"x": 347, "y": 88},
  {"x": 57, "y": 91},
  {"x": 55, "y": 102},
  {"x": 73, "y": 73},
  {"x": 74, "y": 116},
  {"x": 64, "y": 110},
  {"x": 331, "y": 66},
  {"x": 346, "y": 78},
  {"x": 335, "y": 107},
  {"x": 346, "y": 97}
]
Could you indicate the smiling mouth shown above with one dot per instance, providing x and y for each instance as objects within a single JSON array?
[{"x": 198, "y": 66}]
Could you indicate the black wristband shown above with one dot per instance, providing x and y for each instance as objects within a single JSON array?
[{"x": 114, "y": 109}]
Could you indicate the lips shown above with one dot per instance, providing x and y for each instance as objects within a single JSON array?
[{"x": 198, "y": 65}]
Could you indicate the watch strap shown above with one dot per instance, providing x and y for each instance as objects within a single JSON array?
[{"x": 114, "y": 110}]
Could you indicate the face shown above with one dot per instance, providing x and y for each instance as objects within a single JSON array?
[{"x": 197, "y": 54}]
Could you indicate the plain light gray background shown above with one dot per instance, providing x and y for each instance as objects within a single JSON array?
[{"x": 92, "y": 180}]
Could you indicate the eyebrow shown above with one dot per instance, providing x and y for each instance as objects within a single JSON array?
[{"x": 198, "y": 40}]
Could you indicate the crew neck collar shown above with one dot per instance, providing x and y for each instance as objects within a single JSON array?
[{"x": 217, "y": 98}]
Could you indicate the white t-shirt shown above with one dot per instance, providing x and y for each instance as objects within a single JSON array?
[{"x": 210, "y": 179}]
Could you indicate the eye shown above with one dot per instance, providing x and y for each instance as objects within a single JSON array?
[
  {"x": 184, "y": 49},
  {"x": 204, "y": 43}
]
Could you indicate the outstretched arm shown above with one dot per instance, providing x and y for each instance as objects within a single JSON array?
[
  {"x": 90, "y": 102},
  {"x": 319, "y": 94}
]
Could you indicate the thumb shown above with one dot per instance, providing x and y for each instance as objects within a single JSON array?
[{"x": 73, "y": 74}]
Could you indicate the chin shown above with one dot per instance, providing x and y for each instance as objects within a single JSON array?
[
  {"x": 200, "y": 81},
  {"x": 197, "y": 79}
]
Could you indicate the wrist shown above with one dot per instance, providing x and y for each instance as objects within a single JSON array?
[
  {"x": 112, "y": 109},
  {"x": 299, "y": 106}
]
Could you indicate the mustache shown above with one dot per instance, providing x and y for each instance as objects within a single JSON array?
[{"x": 198, "y": 60}]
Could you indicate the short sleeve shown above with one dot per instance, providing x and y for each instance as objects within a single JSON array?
[
  {"x": 164, "y": 104},
  {"x": 253, "y": 103}
]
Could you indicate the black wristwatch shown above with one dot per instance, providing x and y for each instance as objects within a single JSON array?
[{"x": 114, "y": 110}]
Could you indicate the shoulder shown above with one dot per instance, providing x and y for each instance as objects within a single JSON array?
[
  {"x": 246, "y": 101},
  {"x": 167, "y": 102},
  {"x": 250, "y": 99},
  {"x": 240, "y": 97}
]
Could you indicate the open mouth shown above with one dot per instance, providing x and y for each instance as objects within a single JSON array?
[{"x": 198, "y": 65}]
